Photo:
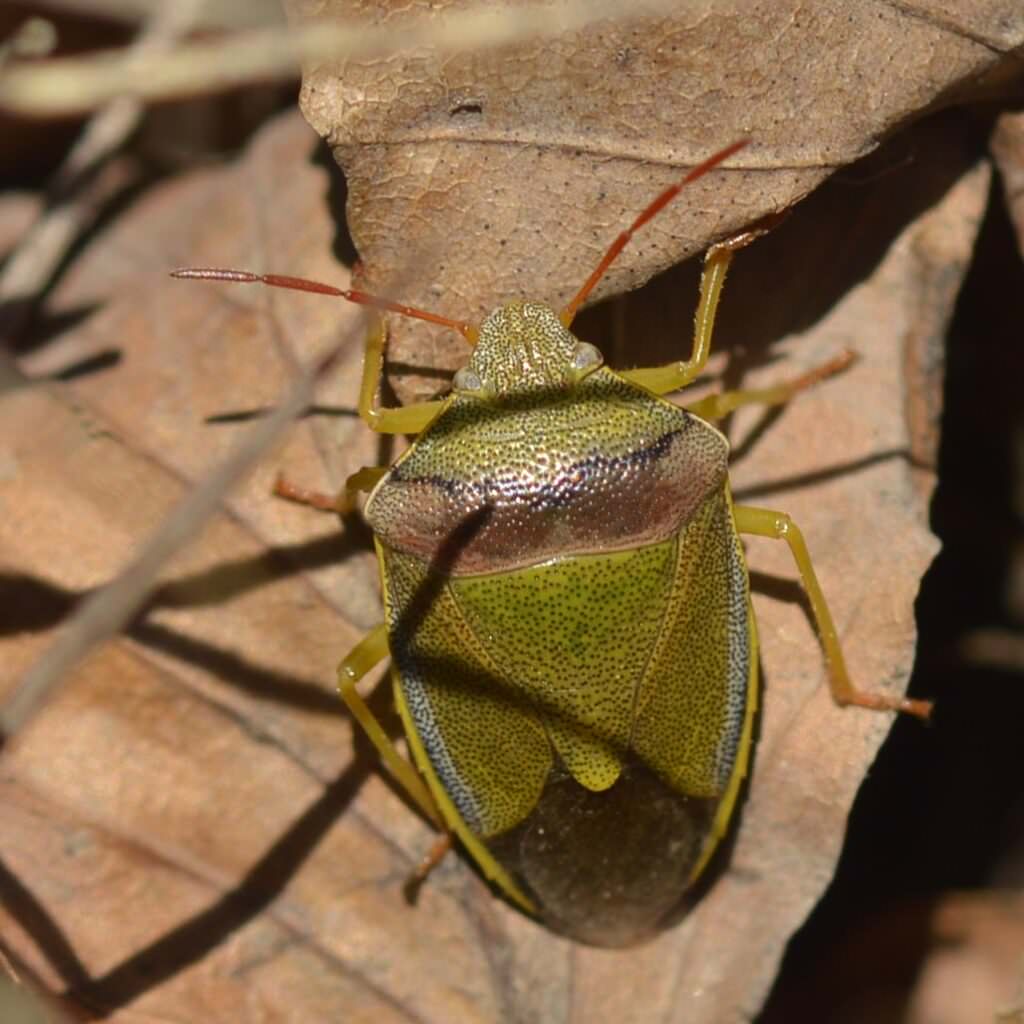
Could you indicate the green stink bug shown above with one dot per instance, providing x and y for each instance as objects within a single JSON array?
[{"x": 567, "y": 609}]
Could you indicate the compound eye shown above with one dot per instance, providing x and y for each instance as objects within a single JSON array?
[
  {"x": 586, "y": 357},
  {"x": 467, "y": 380}
]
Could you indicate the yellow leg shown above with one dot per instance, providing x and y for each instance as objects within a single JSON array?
[
  {"x": 371, "y": 651},
  {"x": 343, "y": 502},
  {"x": 673, "y": 376},
  {"x": 763, "y": 522},
  {"x": 406, "y": 419},
  {"x": 714, "y": 407}
]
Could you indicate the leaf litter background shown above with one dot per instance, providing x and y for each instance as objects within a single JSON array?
[{"x": 192, "y": 830}]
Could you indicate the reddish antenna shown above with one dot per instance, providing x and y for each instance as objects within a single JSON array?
[
  {"x": 302, "y": 284},
  {"x": 660, "y": 202}
]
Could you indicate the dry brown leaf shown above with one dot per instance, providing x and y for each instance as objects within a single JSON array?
[
  {"x": 1008, "y": 151},
  {"x": 193, "y": 832},
  {"x": 504, "y": 173}
]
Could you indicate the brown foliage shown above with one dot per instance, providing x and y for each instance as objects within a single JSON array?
[{"x": 192, "y": 828}]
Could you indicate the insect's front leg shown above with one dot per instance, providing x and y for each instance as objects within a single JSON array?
[
  {"x": 408, "y": 419},
  {"x": 676, "y": 375},
  {"x": 405, "y": 419}
]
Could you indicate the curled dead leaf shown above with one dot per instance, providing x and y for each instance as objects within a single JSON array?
[{"x": 502, "y": 174}]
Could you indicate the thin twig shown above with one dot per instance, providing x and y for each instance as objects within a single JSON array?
[
  {"x": 107, "y": 610},
  {"x": 76, "y": 84},
  {"x": 78, "y": 192},
  {"x": 34, "y": 37},
  {"x": 214, "y": 13}
]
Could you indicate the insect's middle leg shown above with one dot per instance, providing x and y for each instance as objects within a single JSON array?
[
  {"x": 714, "y": 407},
  {"x": 764, "y": 522},
  {"x": 343, "y": 503}
]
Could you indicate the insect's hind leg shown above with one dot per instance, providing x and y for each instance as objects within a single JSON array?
[
  {"x": 369, "y": 652},
  {"x": 437, "y": 853},
  {"x": 764, "y": 522},
  {"x": 714, "y": 407}
]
